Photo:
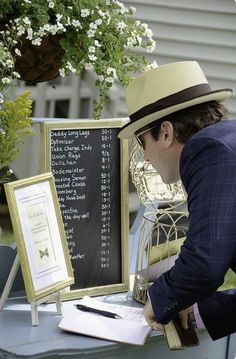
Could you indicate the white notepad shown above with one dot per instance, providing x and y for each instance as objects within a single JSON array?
[{"x": 130, "y": 331}]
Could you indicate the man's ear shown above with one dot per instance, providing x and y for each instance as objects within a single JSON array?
[{"x": 167, "y": 133}]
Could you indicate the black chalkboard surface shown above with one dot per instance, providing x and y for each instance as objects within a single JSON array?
[{"x": 90, "y": 168}]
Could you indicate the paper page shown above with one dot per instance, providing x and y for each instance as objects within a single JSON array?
[
  {"x": 131, "y": 314},
  {"x": 155, "y": 270},
  {"x": 118, "y": 330}
]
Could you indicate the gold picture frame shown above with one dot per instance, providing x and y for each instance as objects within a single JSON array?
[
  {"x": 59, "y": 137},
  {"x": 40, "y": 236}
]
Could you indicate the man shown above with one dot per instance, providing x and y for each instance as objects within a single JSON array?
[{"x": 178, "y": 120}]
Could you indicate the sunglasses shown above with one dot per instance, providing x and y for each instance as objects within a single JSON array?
[{"x": 138, "y": 139}]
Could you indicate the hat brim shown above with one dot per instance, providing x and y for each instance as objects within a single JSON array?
[{"x": 131, "y": 128}]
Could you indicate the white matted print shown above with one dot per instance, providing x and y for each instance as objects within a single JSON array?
[{"x": 40, "y": 236}]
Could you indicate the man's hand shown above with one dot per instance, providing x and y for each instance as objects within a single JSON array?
[
  {"x": 183, "y": 316},
  {"x": 150, "y": 317}
]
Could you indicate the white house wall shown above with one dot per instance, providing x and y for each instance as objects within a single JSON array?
[{"x": 202, "y": 30}]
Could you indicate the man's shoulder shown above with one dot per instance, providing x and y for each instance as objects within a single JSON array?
[
  {"x": 213, "y": 141},
  {"x": 221, "y": 130}
]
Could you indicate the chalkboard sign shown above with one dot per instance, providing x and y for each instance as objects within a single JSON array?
[{"x": 90, "y": 168}]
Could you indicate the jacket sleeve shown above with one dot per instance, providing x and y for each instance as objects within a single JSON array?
[
  {"x": 210, "y": 246},
  {"x": 218, "y": 313}
]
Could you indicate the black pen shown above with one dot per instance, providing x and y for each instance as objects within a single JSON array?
[{"x": 104, "y": 313}]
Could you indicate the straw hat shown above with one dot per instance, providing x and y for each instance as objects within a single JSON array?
[{"x": 164, "y": 90}]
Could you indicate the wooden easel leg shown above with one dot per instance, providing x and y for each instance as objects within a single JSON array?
[
  {"x": 34, "y": 314},
  {"x": 57, "y": 298},
  {"x": 9, "y": 282},
  {"x": 34, "y": 307}
]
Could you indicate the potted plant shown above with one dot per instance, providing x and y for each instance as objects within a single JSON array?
[
  {"x": 15, "y": 120},
  {"x": 15, "y": 123},
  {"x": 62, "y": 36}
]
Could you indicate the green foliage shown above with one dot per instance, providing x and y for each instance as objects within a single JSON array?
[
  {"x": 15, "y": 124},
  {"x": 7, "y": 238},
  {"x": 229, "y": 282}
]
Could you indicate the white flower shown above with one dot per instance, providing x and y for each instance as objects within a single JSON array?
[
  {"x": 101, "y": 13},
  {"x": 17, "y": 52},
  {"x": 60, "y": 26},
  {"x": 92, "y": 49},
  {"x": 131, "y": 41},
  {"x": 148, "y": 33},
  {"x": 139, "y": 40},
  {"x": 58, "y": 17},
  {"x": 6, "y": 80},
  {"x": 144, "y": 26},
  {"x": 20, "y": 30},
  {"x": 88, "y": 66},
  {"x": 108, "y": 19},
  {"x": 47, "y": 27},
  {"x": 111, "y": 71},
  {"x": 101, "y": 78},
  {"x": 92, "y": 57},
  {"x": 90, "y": 33},
  {"x": 9, "y": 63},
  {"x": 16, "y": 74},
  {"x": 27, "y": 1},
  {"x": 26, "y": 20},
  {"x": 84, "y": 12},
  {"x": 30, "y": 33},
  {"x": 41, "y": 32},
  {"x": 62, "y": 72},
  {"x": 121, "y": 25},
  {"x": 98, "y": 21},
  {"x": 110, "y": 79},
  {"x": 93, "y": 26},
  {"x": 70, "y": 67},
  {"x": 151, "y": 47},
  {"x": 123, "y": 9},
  {"x": 51, "y": 4},
  {"x": 76, "y": 23},
  {"x": 132, "y": 9},
  {"x": 152, "y": 65},
  {"x": 68, "y": 21},
  {"x": 37, "y": 41},
  {"x": 9, "y": 171},
  {"x": 53, "y": 29},
  {"x": 97, "y": 43}
]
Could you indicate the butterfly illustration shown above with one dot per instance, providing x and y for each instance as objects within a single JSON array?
[{"x": 43, "y": 253}]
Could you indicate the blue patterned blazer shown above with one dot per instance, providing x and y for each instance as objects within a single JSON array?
[{"x": 208, "y": 173}]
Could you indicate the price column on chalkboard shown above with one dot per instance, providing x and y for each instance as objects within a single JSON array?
[{"x": 106, "y": 137}]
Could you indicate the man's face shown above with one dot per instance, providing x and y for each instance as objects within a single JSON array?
[{"x": 163, "y": 153}]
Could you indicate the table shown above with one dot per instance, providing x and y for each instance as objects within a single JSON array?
[{"x": 19, "y": 339}]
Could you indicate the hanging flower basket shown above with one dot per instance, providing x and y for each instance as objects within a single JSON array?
[
  {"x": 51, "y": 37},
  {"x": 39, "y": 63}
]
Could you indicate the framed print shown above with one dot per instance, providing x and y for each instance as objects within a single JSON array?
[
  {"x": 40, "y": 235},
  {"x": 90, "y": 167}
]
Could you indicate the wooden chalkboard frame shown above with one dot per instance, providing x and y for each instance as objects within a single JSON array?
[{"x": 46, "y": 129}]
